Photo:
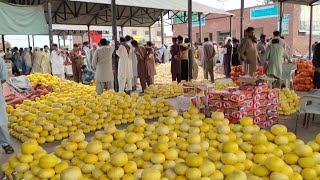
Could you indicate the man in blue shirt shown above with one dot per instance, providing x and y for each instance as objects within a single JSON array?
[{"x": 87, "y": 75}]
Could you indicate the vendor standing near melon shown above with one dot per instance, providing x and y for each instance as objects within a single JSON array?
[{"x": 4, "y": 133}]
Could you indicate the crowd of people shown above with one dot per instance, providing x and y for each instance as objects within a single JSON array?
[{"x": 119, "y": 65}]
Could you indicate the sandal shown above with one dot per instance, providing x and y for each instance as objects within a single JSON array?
[{"x": 8, "y": 149}]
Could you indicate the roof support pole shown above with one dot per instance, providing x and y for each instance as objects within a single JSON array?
[
  {"x": 310, "y": 33},
  {"x": 281, "y": 17},
  {"x": 59, "y": 41},
  {"x": 200, "y": 28},
  {"x": 122, "y": 33},
  {"x": 150, "y": 38},
  {"x": 230, "y": 26},
  {"x": 3, "y": 44},
  {"x": 114, "y": 20},
  {"x": 190, "y": 38},
  {"x": 29, "y": 44},
  {"x": 33, "y": 42},
  {"x": 89, "y": 39},
  {"x": 50, "y": 23},
  {"x": 241, "y": 19},
  {"x": 64, "y": 39},
  {"x": 162, "y": 28}
]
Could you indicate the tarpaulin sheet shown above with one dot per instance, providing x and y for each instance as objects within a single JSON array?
[{"x": 22, "y": 20}]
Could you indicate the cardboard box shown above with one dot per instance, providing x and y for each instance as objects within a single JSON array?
[
  {"x": 187, "y": 90},
  {"x": 215, "y": 95},
  {"x": 261, "y": 88},
  {"x": 238, "y": 106},
  {"x": 203, "y": 88},
  {"x": 272, "y": 93},
  {"x": 215, "y": 103},
  {"x": 260, "y": 96},
  {"x": 237, "y": 96},
  {"x": 215, "y": 109},
  {"x": 232, "y": 119},
  {"x": 273, "y": 101},
  {"x": 239, "y": 114},
  {"x": 272, "y": 108},
  {"x": 267, "y": 123},
  {"x": 272, "y": 115},
  {"x": 259, "y": 111},
  {"x": 201, "y": 100},
  {"x": 261, "y": 118},
  {"x": 202, "y": 110},
  {"x": 260, "y": 103}
]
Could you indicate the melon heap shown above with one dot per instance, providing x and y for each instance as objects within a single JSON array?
[
  {"x": 166, "y": 91},
  {"x": 56, "y": 115},
  {"x": 32, "y": 162},
  {"x": 219, "y": 85},
  {"x": 289, "y": 102},
  {"x": 179, "y": 147},
  {"x": 45, "y": 79}
]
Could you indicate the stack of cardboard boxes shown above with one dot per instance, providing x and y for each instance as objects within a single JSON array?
[{"x": 250, "y": 100}]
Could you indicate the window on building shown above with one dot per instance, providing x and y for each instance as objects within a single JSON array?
[
  {"x": 158, "y": 33},
  {"x": 146, "y": 33},
  {"x": 134, "y": 32}
]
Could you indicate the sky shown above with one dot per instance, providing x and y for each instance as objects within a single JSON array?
[{"x": 39, "y": 41}]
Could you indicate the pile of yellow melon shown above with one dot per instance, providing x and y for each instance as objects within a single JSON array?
[
  {"x": 55, "y": 115},
  {"x": 288, "y": 102},
  {"x": 219, "y": 85},
  {"x": 45, "y": 79},
  {"x": 183, "y": 147},
  {"x": 166, "y": 91}
]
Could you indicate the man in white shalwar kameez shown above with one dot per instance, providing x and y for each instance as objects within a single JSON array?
[
  {"x": 134, "y": 60},
  {"x": 57, "y": 62},
  {"x": 125, "y": 74}
]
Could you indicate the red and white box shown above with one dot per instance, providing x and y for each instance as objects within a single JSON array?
[
  {"x": 259, "y": 111},
  {"x": 236, "y": 96},
  {"x": 203, "y": 88},
  {"x": 202, "y": 110},
  {"x": 232, "y": 119},
  {"x": 215, "y": 109},
  {"x": 201, "y": 100},
  {"x": 272, "y": 93},
  {"x": 272, "y": 108},
  {"x": 273, "y": 101},
  {"x": 260, "y": 103},
  {"x": 260, "y": 96},
  {"x": 215, "y": 103},
  {"x": 239, "y": 114},
  {"x": 215, "y": 95},
  {"x": 239, "y": 106},
  {"x": 272, "y": 115},
  {"x": 189, "y": 91},
  {"x": 261, "y": 118},
  {"x": 255, "y": 89}
]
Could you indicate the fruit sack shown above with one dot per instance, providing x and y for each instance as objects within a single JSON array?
[{"x": 303, "y": 80}]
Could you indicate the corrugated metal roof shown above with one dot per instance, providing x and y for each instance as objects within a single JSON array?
[
  {"x": 175, "y": 5},
  {"x": 301, "y": 2}
]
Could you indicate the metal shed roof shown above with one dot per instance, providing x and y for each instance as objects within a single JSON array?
[
  {"x": 302, "y": 2},
  {"x": 135, "y": 13}
]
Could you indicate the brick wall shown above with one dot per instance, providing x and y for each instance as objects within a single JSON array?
[{"x": 216, "y": 24}]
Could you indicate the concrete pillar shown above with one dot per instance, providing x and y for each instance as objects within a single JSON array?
[
  {"x": 190, "y": 37},
  {"x": 200, "y": 27},
  {"x": 50, "y": 23},
  {"x": 241, "y": 19},
  {"x": 310, "y": 33}
]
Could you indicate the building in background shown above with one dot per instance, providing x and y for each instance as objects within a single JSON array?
[{"x": 265, "y": 20}]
